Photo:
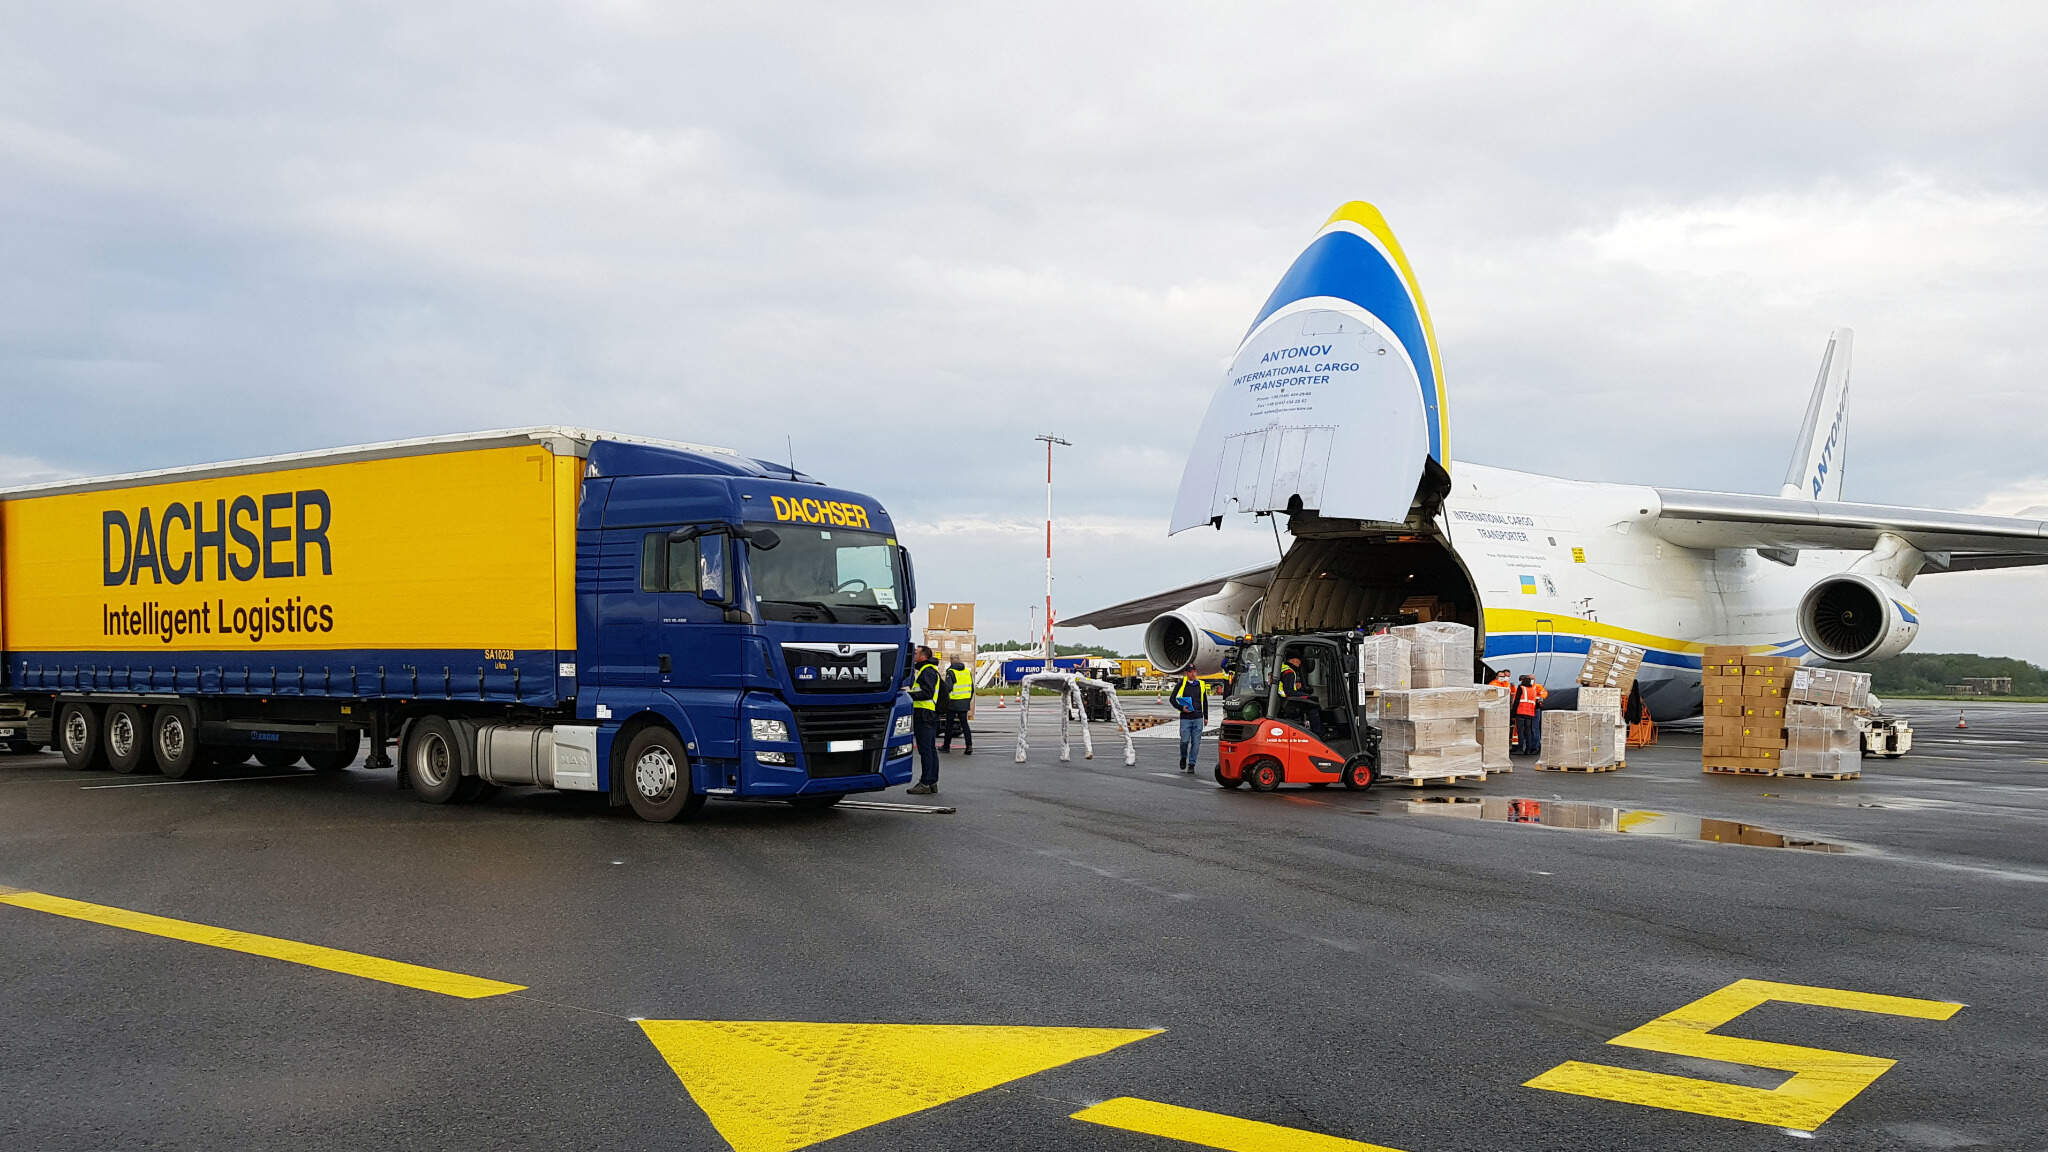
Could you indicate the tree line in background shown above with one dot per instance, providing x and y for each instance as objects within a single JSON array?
[
  {"x": 1057, "y": 649},
  {"x": 1933, "y": 673}
]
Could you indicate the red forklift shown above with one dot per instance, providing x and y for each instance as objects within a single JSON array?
[{"x": 1318, "y": 739}]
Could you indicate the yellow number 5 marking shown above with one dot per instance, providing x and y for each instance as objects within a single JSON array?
[{"x": 1822, "y": 1081}]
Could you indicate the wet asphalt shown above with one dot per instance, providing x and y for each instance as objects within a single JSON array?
[{"x": 1322, "y": 960}]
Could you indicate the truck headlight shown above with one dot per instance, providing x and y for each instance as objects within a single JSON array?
[
  {"x": 898, "y": 752},
  {"x": 903, "y": 725},
  {"x": 770, "y": 731},
  {"x": 781, "y": 758}
]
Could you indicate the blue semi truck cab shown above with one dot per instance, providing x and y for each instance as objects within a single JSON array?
[{"x": 762, "y": 616}]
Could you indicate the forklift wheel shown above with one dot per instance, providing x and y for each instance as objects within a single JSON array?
[
  {"x": 1223, "y": 781},
  {"x": 1360, "y": 774},
  {"x": 1263, "y": 774}
]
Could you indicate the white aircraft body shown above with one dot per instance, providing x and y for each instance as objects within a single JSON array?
[{"x": 1334, "y": 415}]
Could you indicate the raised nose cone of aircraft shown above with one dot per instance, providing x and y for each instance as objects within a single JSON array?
[{"x": 1334, "y": 402}]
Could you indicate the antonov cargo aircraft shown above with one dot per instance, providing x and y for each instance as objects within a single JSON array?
[{"x": 1334, "y": 415}]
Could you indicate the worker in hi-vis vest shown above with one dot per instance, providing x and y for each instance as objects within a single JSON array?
[
  {"x": 1529, "y": 698},
  {"x": 1191, "y": 700},
  {"x": 924, "y": 711},
  {"x": 957, "y": 700}
]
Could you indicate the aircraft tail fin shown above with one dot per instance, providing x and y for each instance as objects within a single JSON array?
[{"x": 1816, "y": 469}]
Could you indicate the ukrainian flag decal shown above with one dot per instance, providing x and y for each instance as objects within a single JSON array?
[{"x": 1528, "y": 585}]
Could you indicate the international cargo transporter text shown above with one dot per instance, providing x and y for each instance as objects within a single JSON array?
[{"x": 659, "y": 621}]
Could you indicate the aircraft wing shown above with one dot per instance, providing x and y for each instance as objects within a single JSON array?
[
  {"x": 1953, "y": 541},
  {"x": 1143, "y": 609}
]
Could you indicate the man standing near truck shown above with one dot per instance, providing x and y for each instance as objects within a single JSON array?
[
  {"x": 957, "y": 702},
  {"x": 1191, "y": 700},
  {"x": 924, "y": 705}
]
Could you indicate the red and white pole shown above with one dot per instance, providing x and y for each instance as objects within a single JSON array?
[{"x": 1049, "y": 618}]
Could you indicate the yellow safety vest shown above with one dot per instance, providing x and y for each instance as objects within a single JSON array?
[
  {"x": 963, "y": 683},
  {"x": 930, "y": 703}
]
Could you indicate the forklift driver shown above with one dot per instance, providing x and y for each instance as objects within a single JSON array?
[{"x": 1296, "y": 698}]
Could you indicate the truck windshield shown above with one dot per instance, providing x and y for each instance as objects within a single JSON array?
[{"x": 827, "y": 574}]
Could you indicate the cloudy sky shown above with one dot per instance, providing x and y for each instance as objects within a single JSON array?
[{"x": 904, "y": 240}]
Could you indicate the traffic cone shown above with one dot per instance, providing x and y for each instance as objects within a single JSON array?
[
  {"x": 1002, "y": 702},
  {"x": 1960, "y": 722}
]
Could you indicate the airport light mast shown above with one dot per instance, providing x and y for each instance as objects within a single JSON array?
[{"x": 1049, "y": 442}]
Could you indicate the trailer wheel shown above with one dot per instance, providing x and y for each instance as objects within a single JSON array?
[
  {"x": 78, "y": 737},
  {"x": 658, "y": 777},
  {"x": 127, "y": 739},
  {"x": 434, "y": 760},
  {"x": 174, "y": 741},
  {"x": 1360, "y": 774},
  {"x": 336, "y": 759},
  {"x": 277, "y": 759},
  {"x": 1263, "y": 774},
  {"x": 1223, "y": 781}
]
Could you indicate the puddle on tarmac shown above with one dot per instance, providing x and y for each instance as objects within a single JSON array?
[{"x": 1600, "y": 818}]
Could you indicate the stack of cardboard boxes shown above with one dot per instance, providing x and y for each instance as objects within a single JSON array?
[
  {"x": 1607, "y": 702},
  {"x": 1577, "y": 742},
  {"x": 1744, "y": 710},
  {"x": 1494, "y": 718},
  {"x": 1822, "y": 738},
  {"x": 1429, "y": 724},
  {"x": 949, "y": 633},
  {"x": 1610, "y": 664}
]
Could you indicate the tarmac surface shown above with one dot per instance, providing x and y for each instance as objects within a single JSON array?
[{"x": 1321, "y": 961}]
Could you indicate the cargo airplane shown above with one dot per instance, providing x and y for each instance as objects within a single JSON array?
[{"x": 1334, "y": 415}]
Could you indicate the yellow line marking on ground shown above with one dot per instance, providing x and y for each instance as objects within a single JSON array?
[
  {"x": 290, "y": 951},
  {"x": 1213, "y": 1129},
  {"x": 776, "y": 1086},
  {"x": 1821, "y": 1083}
]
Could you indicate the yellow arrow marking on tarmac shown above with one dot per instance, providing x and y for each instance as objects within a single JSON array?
[
  {"x": 1213, "y": 1129},
  {"x": 1821, "y": 1081},
  {"x": 291, "y": 951},
  {"x": 774, "y": 1087}
]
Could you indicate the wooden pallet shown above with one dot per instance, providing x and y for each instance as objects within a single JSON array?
[
  {"x": 1500, "y": 771},
  {"x": 1824, "y": 775},
  {"x": 1415, "y": 782},
  {"x": 1558, "y": 768},
  {"x": 1737, "y": 770}
]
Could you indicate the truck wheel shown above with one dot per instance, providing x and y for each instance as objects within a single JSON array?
[
  {"x": 78, "y": 737},
  {"x": 1263, "y": 774},
  {"x": 277, "y": 759},
  {"x": 127, "y": 739},
  {"x": 174, "y": 741},
  {"x": 658, "y": 777},
  {"x": 334, "y": 760},
  {"x": 1223, "y": 781},
  {"x": 1360, "y": 774},
  {"x": 434, "y": 760}
]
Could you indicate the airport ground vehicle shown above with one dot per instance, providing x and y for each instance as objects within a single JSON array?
[
  {"x": 1884, "y": 735},
  {"x": 1268, "y": 740},
  {"x": 547, "y": 606}
]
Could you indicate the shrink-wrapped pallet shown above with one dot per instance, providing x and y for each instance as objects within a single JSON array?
[
  {"x": 1610, "y": 664},
  {"x": 1414, "y": 734},
  {"x": 1803, "y": 739},
  {"x": 1494, "y": 710},
  {"x": 1431, "y": 704},
  {"x": 1383, "y": 664},
  {"x": 1460, "y": 759},
  {"x": 1606, "y": 701},
  {"x": 1440, "y": 653},
  {"x": 1817, "y": 716},
  {"x": 1836, "y": 686},
  {"x": 1577, "y": 740},
  {"x": 1802, "y": 762}
]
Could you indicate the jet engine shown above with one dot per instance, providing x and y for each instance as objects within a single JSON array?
[
  {"x": 1197, "y": 636},
  {"x": 1857, "y": 616}
]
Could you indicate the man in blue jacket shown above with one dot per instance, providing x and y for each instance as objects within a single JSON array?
[{"x": 1191, "y": 700}]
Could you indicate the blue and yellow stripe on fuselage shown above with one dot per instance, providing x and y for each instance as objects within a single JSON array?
[{"x": 1513, "y": 632}]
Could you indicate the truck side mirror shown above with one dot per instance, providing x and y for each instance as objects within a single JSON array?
[
  {"x": 909, "y": 583},
  {"x": 711, "y": 568}
]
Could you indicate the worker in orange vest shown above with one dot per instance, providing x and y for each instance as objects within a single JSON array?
[{"x": 1529, "y": 698}]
